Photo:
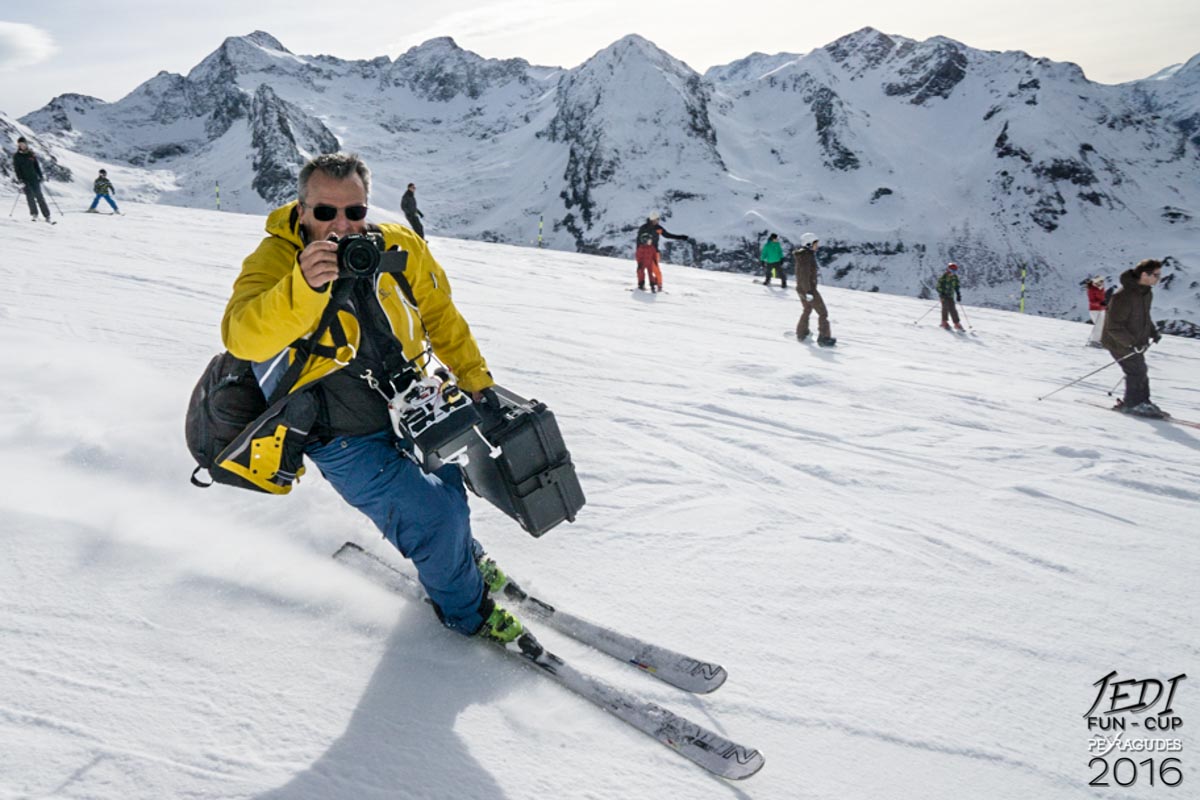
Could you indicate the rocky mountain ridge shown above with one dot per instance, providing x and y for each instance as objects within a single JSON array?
[{"x": 900, "y": 154}]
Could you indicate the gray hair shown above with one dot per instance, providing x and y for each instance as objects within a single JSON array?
[{"x": 335, "y": 165}]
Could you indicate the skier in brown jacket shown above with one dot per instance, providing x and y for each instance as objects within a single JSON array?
[
  {"x": 806, "y": 286},
  {"x": 1128, "y": 330}
]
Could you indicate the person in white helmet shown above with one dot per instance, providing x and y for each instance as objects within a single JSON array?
[
  {"x": 647, "y": 251},
  {"x": 806, "y": 284}
]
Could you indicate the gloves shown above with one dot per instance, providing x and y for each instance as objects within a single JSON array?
[
  {"x": 958, "y": 296},
  {"x": 1157, "y": 338}
]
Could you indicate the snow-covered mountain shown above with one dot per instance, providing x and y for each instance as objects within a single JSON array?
[{"x": 900, "y": 154}]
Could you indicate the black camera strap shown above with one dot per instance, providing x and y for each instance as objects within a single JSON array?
[{"x": 310, "y": 346}]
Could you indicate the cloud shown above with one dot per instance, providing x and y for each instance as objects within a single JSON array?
[
  {"x": 23, "y": 45},
  {"x": 497, "y": 21}
]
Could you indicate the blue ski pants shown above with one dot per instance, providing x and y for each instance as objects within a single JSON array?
[
  {"x": 97, "y": 198},
  {"x": 424, "y": 515}
]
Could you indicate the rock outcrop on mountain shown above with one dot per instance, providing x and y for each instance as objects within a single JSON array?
[{"x": 901, "y": 154}]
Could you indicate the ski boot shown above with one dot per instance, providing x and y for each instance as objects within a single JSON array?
[
  {"x": 91, "y": 211},
  {"x": 641, "y": 287},
  {"x": 493, "y": 577},
  {"x": 1145, "y": 409},
  {"x": 946, "y": 325},
  {"x": 500, "y": 626},
  {"x": 826, "y": 341},
  {"x": 958, "y": 327},
  {"x": 801, "y": 336},
  {"x": 655, "y": 288}
]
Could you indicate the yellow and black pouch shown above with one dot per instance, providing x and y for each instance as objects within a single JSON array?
[{"x": 269, "y": 454}]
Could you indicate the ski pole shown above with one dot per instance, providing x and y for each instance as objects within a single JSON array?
[
  {"x": 16, "y": 200},
  {"x": 965, "y": 317},
  {"x": 926, "y": 314},
  {"x": 1118, "y": 383},
  {"x": 1093, "y": 372},
  {"x": 52, "y": 200}
]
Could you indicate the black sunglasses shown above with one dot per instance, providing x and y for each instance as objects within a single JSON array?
[{"x": 325, "y": 213}]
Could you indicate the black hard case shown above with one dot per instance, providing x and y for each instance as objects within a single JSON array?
[{"x": 532, "y": 480}]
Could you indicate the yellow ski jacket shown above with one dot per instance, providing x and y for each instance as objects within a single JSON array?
[{"x": 273, "y": 306}]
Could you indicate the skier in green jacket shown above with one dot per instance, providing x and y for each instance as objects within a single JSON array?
[
  {"x": 948, "y": 290},
  {"x": 772, "y": 260}
]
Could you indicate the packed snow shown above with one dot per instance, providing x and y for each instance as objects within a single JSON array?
[{"x": 913, "y": 570}]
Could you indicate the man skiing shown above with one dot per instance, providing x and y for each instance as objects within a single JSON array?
[
  {"x": 29, "y": 173},
  {"x": 1128, "y": 331},
  {"x": 772, "y": 260},
  {"x": 1097, "y": 304},
  {"x": 948, "y": 290},
  {"x": 647, "y": 251},
  {"x": 408, "y": 204},
  {"x": 805, "y": 257},
  {"x": 103, "y": 188},
  {"x": 384, "y": 325}
]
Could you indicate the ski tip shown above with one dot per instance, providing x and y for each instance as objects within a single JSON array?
[
  {"x": 347, "y": 547},
  {"x": 715, "y": 682},
  {"x": 745, "y": 765}
]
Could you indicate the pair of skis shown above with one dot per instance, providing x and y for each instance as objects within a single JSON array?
[
  {"x": 1168, "y": 418},
  {"x": 703, "y": 747}
]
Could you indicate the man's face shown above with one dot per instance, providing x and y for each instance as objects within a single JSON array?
[
  {"x": 22, "y": 146},
  {"x": 1150, "y": 278},
  {"x": 336, "y": 193}
]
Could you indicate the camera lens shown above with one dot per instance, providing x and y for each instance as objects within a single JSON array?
[{"x": 358, "y": 255}]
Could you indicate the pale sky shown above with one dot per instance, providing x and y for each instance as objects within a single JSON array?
[{"x": 105, "y": 49}]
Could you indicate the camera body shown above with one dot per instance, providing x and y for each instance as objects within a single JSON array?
[{"x": 364, "y": 255}]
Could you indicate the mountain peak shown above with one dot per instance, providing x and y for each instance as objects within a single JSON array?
[
  {"x": 864, "y": 49},
  {"x": 265, "y": 40},
  {"x": 641, "y": 48},
  {"x": 436, "y": 45}
]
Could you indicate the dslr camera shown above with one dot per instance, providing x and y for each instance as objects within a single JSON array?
[{"x": 364, "y": 255}]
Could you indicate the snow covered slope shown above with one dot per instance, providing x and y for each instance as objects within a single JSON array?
[
  {"x": 912, "y": 569},
  {"x": 901, "y": 155}
]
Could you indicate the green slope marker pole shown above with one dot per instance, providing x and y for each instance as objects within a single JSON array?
[
  {"x": 1022, "y": 288},
  {"x": 218, "y": 195},
  {"x": 540, "y": 218}
]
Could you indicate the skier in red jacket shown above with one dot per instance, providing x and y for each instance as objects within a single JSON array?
[
  {"x": 647, "y": 251},
  {"x": 1097, "y": 305}
]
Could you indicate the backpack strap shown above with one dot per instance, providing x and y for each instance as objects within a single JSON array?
[{"x": 305, "y": 348}]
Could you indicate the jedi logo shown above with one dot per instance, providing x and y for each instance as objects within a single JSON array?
[
  {"x": 1134, "y": 697},
  {"x": 1122, "y": 755}
]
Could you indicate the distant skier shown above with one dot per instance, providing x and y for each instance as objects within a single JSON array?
[
  {"x": 772, "y": 260},
  {"x": 1128, "y": 331},
  {"x": 647, "y": 251},
  {"x": 805, "y": 257},
  {"x": 948, "y": 290},
  {"x": 1097, "y": 304},
  {"x": 408, "y": 204},
  {"x": 103, "y": 188},
  {"x": 29, "y": 173}
]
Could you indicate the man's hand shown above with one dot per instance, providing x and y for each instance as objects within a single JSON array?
[
  {"x": 958, "y": 297},
  {"x": 487, "y": 396},
  {"x": 318, "y": 263}
]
